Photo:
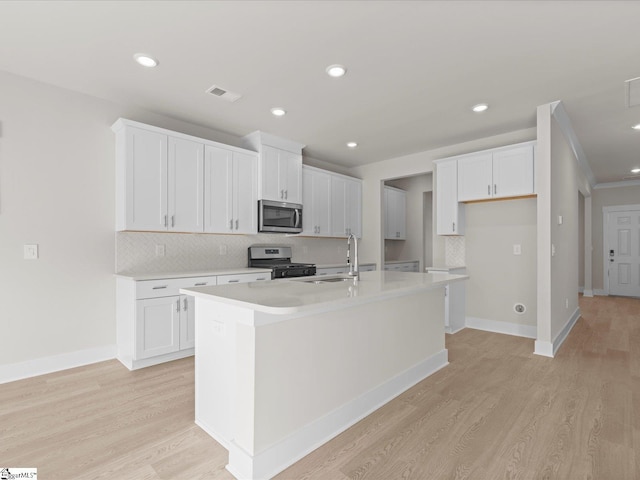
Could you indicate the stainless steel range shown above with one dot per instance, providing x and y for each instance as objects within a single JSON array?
[{"x": 278, "y": 259}]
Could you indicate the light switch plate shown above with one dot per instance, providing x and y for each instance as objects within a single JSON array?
[
  {"x": 31, "y": 252},
  {"x": 160, "y": 250},
  {"x": 517, "y": 249}
]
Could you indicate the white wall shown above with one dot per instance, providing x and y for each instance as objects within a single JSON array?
[
  {"x": 498, "y": 278},
  {"x": 607, "y": 197},
  {"x": 558, "y": 181}
]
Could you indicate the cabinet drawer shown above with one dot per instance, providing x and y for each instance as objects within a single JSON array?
[
  {"x": 244, "y": 278},
  {"x": 169, "y": 286}
]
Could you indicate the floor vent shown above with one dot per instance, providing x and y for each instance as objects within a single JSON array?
[
  {"x": 222, "y": 93},
  {"x": 632, "y": 90}
]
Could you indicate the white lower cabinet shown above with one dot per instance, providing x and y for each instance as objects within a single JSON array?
[
  {"x": 455, "y": 304},
  {"x": 154, "y": 322},
  {"x": 411, "y": 266},
  {"x": 365, "y": 267}
]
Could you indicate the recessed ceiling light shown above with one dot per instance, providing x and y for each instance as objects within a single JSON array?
[
  {"x": 146, "y": 60},
  {"x": 336, "y": 70},
  {"x": 636, "y": 127},
  {"x": 278, "y": 112},
  {"x": 635, "y": 170},
  {"x": 481, "y": 107},
  {"x": 352, "y": 144}
]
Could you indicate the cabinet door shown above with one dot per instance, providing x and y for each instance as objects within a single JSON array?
[
  {"x": 185, "y": 185},
  {"x": 291, "y": 176},
  {"x": 243, "y": 278},
  {"x": 513, "y": 172},
  {"x": 338, "y": 207},
  {"x": 157, "y": 326},
  {"x": 218, "y": 167},
  {"x": 475, "y": 177},
  {"x": 354, "y": 207},
  {"x": 187, "y": 322},
  {"x": 395, "y": 208},
  {"x": 272, "y": 188},
  {"x": 146, "y": 180},
  {"x": 317, "y": 203},
  {"x": 245, "y": 200},
  {"x": 449, "y": 214}
]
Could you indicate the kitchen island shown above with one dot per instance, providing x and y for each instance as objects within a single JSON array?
[{"x": 284, "y": 366}]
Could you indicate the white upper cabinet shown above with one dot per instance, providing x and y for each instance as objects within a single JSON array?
[
  {"x": 395, "y": 213},
  {"x": 346, "y": 206},
  {"x": 185, "y": 183},
  {"x": 230, "y": 191},
  {"x": 160, "y": 182},
  {"x": 449, "y": 213},
  {"x": 317, "y": 202},
  {"x": 279, "y": 167},
  {"x": 141, "y": 180},
  {"x": 502, "y": 173}
]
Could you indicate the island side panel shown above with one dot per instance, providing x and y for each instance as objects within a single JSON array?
[{"x": 309, "y": 368}]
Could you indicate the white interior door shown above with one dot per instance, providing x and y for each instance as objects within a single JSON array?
[{"x": 623, "y": 252}]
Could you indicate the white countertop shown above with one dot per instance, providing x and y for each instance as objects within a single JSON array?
[
  {"x": 202, "y": 273},
  {"x": 289, "y": 296},
  {"x": 388, "y": 262},
  {"x": 444, "y": 268}
]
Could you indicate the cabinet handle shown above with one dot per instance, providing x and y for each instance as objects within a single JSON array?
[
  {"x": 286, "y": 194},
  {"x": 200, "y": 284},
  {"x": 236, "y": 224},
  {"x": 282, "y": 194},
  {"x": 260, "y": 278},
  {"x": 178, "y": 305},
  {"x": 488, "y": 189},
  {"x": 173, "y": 221},
  {"x": 495, "y": 189},
  {"x": 165, "y": 221},
  {"x": 231, "y": 224},
  {"x": 234, "y": 281},
  {"x": 184, "y": 304},
  {"x": 454, "y": 226},
  {"x": 159, "y": 287}
]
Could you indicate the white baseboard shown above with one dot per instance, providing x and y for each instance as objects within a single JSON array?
[
  {"x": 549, "y": 349},
  {"x": 600, "y": 291},
  {"x": 269, "y": 462},
  {"x": 55, "y": 363},
  {"x": 527, "y": 331},
  {"x": 587, "y": 293}
]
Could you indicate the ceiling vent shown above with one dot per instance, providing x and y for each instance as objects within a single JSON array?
[
  {"x": 632, "y": 90},
  {"x": 222, "y": 93}
]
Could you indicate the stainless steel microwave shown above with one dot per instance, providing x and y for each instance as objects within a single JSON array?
[{"x": 279, "y": 217}]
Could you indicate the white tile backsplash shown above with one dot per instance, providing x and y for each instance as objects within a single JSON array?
[
  {"x": 136, "y": 251},
  {"x": 454, "y": 251}
]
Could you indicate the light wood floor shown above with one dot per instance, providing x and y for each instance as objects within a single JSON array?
[{"x": 496, "y": 412}]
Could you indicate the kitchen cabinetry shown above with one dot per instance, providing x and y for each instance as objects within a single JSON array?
[
  {"x": 449, "y": 213},
  {"x": 455, "y": 299},
  {"x": 346, "y": 206},
  {"x": 230, "y": 191},
  {"x": 154, "y": 322},
  {"x": 279, "y": 167},
  {"x": 395, "y": 213},
  {"x": 500, "y": 173},
  {"x": 340, "y": 270},
  {"x": 317, "y": 202},
  {"x": 160, "y": 183},
  {"x": 410, "y": 266},
  {"x": 243, "y": 278}
]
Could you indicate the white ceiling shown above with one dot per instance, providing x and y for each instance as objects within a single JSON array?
[{"x": 414, "y": 68}]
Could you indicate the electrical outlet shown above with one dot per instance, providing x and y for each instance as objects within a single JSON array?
[
  {"x": 31, "y": 252},
  {"x": 222, "y": 249},
  {"x": 560, "y": 220},
  {"x": 517, "y": 249},
  {"x": 553, "y": 250},
  {"x": 160, "y": 250}
]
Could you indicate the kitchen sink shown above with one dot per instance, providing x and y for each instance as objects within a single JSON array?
[{"x": 325, "y": 280}]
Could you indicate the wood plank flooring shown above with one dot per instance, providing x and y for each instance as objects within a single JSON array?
[{"x": 496, "y": 412}]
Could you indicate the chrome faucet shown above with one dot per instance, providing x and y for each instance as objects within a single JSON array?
[{"x": 354, "y": 269}]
